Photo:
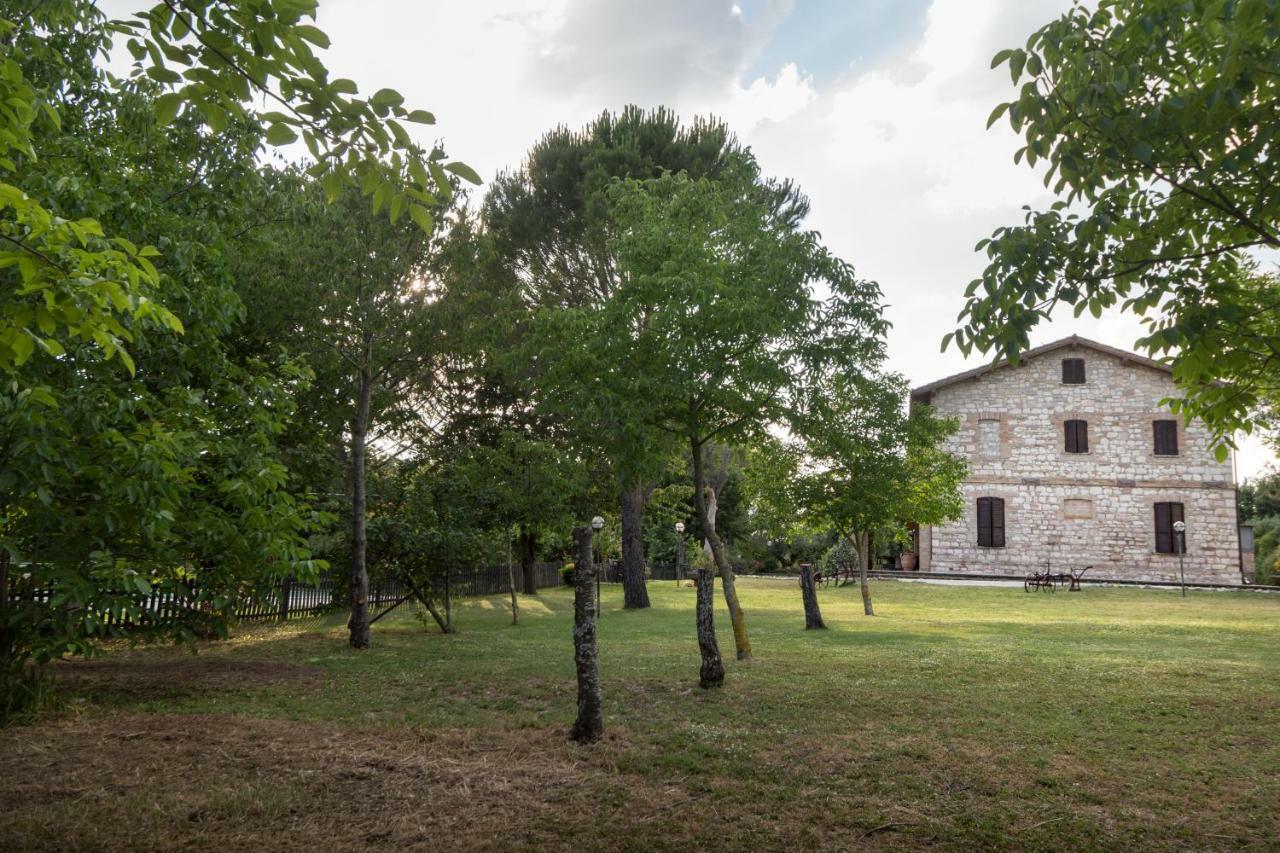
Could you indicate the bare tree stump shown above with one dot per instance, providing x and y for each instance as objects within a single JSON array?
[
  {"x": 812, "y": 615},
  {"x": 590, "y": 723},
  {"x": 712, "y": 673}
]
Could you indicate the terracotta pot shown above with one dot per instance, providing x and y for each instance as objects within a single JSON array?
[{"x": 908, "y": 561}]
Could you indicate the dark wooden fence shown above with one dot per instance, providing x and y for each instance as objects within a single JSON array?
[{"x": 289, "y": 599}]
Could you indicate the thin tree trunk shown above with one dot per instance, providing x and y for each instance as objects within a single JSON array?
[
  {"x": 736, "y": 616},
  {"x": 812, "y": 615},
  {"x": 528, "y": 551},
  {"x": 862, "y": 575},
  {"x": 359, "y": 624},
  {"x": 511, "y": 583},
  {"x": 448, "y": 604},
  {"x": 589, "y": 725},
  {"x": 446, "y": 624},
  {"x": 634, "y": 591},
  {"x": 6, "y": 636},
  {"x": 712, "y": 672}
]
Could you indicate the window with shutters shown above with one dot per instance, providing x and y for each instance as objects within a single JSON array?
[
  {"x": 1073, "y": 371},
  {"x": 991, "y": 522},
  {"x": 1167, "y": 539},
  {"x": 1166, "y": 437},
  {"x": 1077, "y": 436}
]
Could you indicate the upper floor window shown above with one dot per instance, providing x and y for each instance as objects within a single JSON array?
[
  {"x": 1166, "y": 437},
  {"x": 1168, "y": 540},
  {"x": 1077, "y": 436},
  {"x": 991, "y": 522},
  {"x": 1073, "y": 371},
  {"x": 988, "y": 443}
]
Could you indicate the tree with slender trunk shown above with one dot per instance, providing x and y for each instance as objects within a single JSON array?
[
  {"x": 635, "y": 594},
  {"x": 552, "y": 223},
  {"x": 511, "y": 583},
  {"x": 727, "y": 578},
  {"x": 872, "y": 464},
  {"x": 717, "y": 324},
  {"x": 376, "y": 350},
  {"x": 358, "y": 625},
  {"x": 589, "y": 725},
  {"x": 808, "y": 591},
  {"x": 711, "y": 673}
]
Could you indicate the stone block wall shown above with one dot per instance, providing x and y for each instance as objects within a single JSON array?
[{"x": 1078, "y": 509}]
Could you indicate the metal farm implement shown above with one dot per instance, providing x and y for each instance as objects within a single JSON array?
[{"x": 1048, "y": 581}]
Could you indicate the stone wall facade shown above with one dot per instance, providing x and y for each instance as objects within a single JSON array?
[{"x": 1069, "y": 510}]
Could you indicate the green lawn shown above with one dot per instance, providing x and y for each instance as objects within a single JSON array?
[{"x": 956, "y": 717}]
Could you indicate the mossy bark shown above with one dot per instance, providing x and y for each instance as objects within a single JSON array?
[
  {"x": 712, "y": 672},
  {"x": 358, "y": 625},
  {"x": 589, "y": 726}
]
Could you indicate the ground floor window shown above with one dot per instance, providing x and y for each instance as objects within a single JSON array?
[
  {"x": 991, "y": 522},
  {"x": 1167, "y": 515}
]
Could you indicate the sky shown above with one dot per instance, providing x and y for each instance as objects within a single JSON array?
[{"x": 877, "y": 108}]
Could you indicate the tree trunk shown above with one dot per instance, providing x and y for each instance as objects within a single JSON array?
[
  {"x": 445, "y": 623},
  {"x": 359, "y": 624},
  {"x": 812, "y": 615},
  {"x": 712, "y": 672},
  {"x": 511, "y": 583},
  {"x": 448, "y": 604},
  {"x": 736, "y": 616},
  {"x": 528, "y": 551},
  {"x": 589, "y": 725},
  {"x": 635, "y": 593},
  {"x": 7, "y": 667},
  {"x": 862, "y": 575}
]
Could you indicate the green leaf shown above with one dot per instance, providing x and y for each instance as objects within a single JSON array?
[
  {"x": 996, "y": 113},
  {"x": 386, "y": 98},
  {"x": 281, "y": 134},
  {"x": 421, "y": 117},
  {"x": 167, "y": 106},
  {"x": 422, "y": 217},
  {"x": 462, "y": 170},
  {"x": 315, "y": 35}
]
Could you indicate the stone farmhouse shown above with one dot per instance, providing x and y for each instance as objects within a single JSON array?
[{"x": 1073, "y": 461}]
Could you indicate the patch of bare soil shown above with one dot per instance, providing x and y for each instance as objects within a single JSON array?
[{"x": 181, "y": 677}]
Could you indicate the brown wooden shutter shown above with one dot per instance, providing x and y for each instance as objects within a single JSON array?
[
  {"x": 1167, "y": 513},
  {"x": 991, "y": 522},
  {"x": 1073, "y": 371},
  {"x": 1076, "y": 435},
  {"x": 1166, "y": 437}
]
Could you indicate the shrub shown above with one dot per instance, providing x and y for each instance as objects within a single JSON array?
[{"x": 566, "y": 574}]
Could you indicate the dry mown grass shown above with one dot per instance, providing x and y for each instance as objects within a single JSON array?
[{"x": 140, "y": 781}]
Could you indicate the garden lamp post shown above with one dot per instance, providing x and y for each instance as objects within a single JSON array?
[
  {"x": 597, "y": 524},
  {"x": 679, "y": 552},
  {"x": 1180, "y": 536}
]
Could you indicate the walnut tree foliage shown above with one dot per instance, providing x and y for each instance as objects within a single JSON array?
[
  {"x": 143, "y": 435},
  {"x": 1156, "y": 123}
]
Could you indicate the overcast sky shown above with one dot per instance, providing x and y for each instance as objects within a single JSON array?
[{"x": 876, "y": 107}]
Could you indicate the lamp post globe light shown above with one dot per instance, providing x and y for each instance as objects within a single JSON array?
[
  {"x": 597, "y": 524},
  {"x": 679, "y": 552},
  {"x": 1180, "y": 537}
]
